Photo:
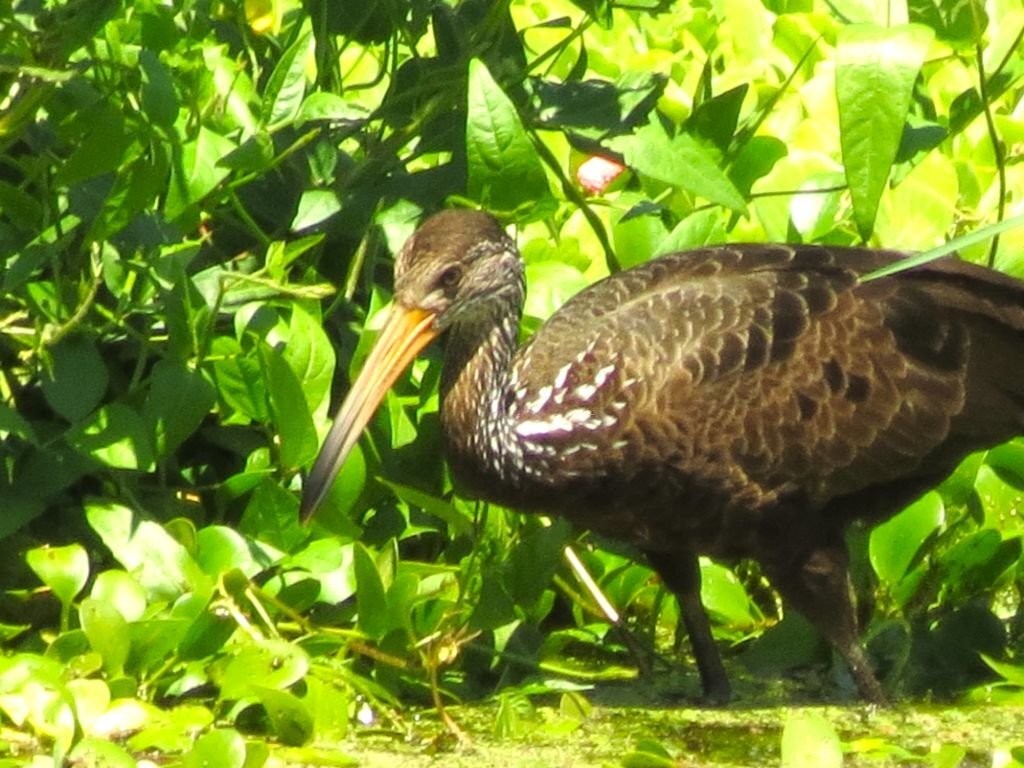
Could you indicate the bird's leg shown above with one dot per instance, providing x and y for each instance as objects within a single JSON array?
[
  {"x": 818, "y": 585},
  {"x": 681, "y": 572}
]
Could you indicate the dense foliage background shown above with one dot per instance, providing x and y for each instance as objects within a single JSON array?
[{"x": 198, "y": 203}]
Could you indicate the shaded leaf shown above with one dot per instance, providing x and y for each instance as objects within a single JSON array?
[
  {"x": 77, "y": 378},
  {"x": 287, "y": 84},
  {"x": 178, "y": 400}
]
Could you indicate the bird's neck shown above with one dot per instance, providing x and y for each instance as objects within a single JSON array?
[{"x": 475, "y": 385}]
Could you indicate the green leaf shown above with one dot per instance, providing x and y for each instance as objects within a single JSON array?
[
  {"x": 272, "y": 515},
  {"x": 323, "y": 105},
  {"x": 978, "y": 560},
  {"x": 206, "y": 635},
  {"x": 533, "y": 562},
  {"x": 315, "y": 207},
  {"x": 507, "y": 723},
  {"x": 876, "y": 69},
  {"x": 239, "y": 382},
  {"x": 310, "y": 355},
  {"x": 23, "y": 210},
  {"x": 961, "y": 23},
  {"x": 725, "y": 598},
  {"x": 102, "y": 148},
  {"x": 332, "y": 564},
  {"x": 461, "y": 525},
  {"x": 1011, "y": 673},
  {"x": 552, "y": 283},
  {"x": 371, "y": 598},
  {"x": 100, "y": 753},
  {"x": 329, "y": 706},
  {"x": 108, "y": 634},
  {"x": 290, "y": 718},
  {"x": 77, "y": 379},
  {"x": 159, "y": 100},
  {"x": 134, "y": 189},
  {"x": 809, "y": 739},
  {"x": 292, "y": 417},
  {"x": 253, "y": 154},
  {"x": 494, "y": 605},
  {"x": 1000, "y": 501},
  {"x": 117, "y": 436},
  {"x": 92, "y": 700},
  {"x": 894, "y": 544},
  {"x": 287, "y": 84},
  {"x": 161, "y": 565},
  {"x": 178, "y": 400},
  {"x": 280, "y": 255},
  {"x": 196, "y": 170},
  {"x": 274, "y": 664},
  {"x": 174, "y": 731},
  {"x": 65, "y": 570},
  {"x": 698, "y": 229},
  {"x": 220, "y": 549},
  {"x": 648, "y": 753},
  {"x": 119, "y": 589},
  {"x": 679, "y": 161},
  {"x": 221, "y": 747},
  {"x": 505, "y": 173},
  {"x": 638, "y": 231}
]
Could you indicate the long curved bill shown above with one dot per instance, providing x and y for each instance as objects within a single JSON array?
[{"x": 405, "y": 333}]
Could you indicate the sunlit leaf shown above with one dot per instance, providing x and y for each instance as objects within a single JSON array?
[
  {"x": 107, "y": 631},
  {"x": 273, "y": 664},
  {"x": 161, "y": 565},
  {"x": 680, "y": 161},
  {"x": 809, "y": 739},
  {"x": 222, "y": 747},
  {"x": 238, "y": 381},
  {"x": 371, "y": 597},
  {"x": 116, "y": 435},
  {"x": 895, "y": 543},
  {"x": 65, "y": 570},
  {"x": 119, "y": 589},
  {"x": 292, "y": 417},
  {"x": 310, "y": 355},
  {"x": 329, "y": 707},
  {"x": 195, "y": 172},
  {"x": 875, "y": 73},
  {"x": 101, "y": 753},
  {"x": 505, "y": 173},
  {"x": 315, "y": 207}
]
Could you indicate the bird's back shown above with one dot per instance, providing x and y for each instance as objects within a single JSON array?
[{"x": 691, "y": 397}]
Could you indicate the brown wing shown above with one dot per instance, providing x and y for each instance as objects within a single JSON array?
[{"x": 761, "y": 371}]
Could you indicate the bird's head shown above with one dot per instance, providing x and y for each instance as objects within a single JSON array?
[
  {"x": 452, "y": 262},
  {"x": 444, "y": 274}
]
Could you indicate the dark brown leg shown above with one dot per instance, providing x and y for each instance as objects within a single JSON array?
[
  {"x": 681, "y": 572},
  {"x": 818, "y": 585}
]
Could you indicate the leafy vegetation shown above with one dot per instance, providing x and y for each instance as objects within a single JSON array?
[{"x": 197, "y": 205}]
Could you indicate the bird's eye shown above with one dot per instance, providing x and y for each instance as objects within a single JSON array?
[{"x": 450, "y": 276}]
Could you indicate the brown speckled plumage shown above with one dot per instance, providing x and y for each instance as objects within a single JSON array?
[{"x": 736, "y": 401}]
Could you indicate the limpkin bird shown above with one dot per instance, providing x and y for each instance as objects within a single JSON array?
[{"x": 739, "y": 401}]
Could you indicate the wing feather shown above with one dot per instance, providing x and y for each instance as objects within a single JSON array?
[{"x": 762, "y": 370}]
